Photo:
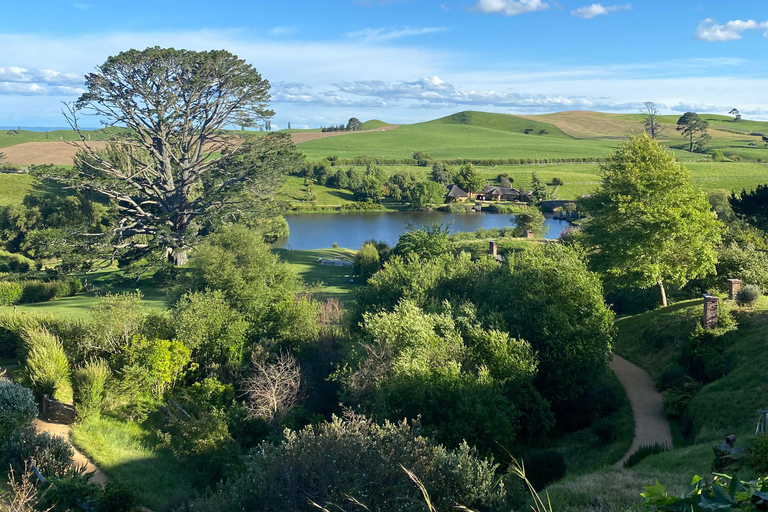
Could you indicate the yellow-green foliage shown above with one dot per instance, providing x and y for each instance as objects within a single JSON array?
[
  {"x": 90, "y": 386},
  {"x": 47, "y": 365}
]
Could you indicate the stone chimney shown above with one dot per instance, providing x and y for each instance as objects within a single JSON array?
[
  {"x": 493, "y": 248},
  {"x": 710, "y": 311},
  {"x": 529, "y": 234},
  {"x": 734, "y": 285}
]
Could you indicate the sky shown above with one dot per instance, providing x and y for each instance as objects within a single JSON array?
[{"x": 405, "y": 61}]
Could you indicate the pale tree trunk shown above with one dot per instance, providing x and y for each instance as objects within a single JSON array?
[
  {"x": 177, "y": 256},
  {"x": 663, "y": 293}
]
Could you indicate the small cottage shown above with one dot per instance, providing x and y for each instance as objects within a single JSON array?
[{"x": 455, "y": 194}]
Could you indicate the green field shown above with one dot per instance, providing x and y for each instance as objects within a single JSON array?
[
  {"x": 13, "y": 188},
  {"x": 331, "y": 281},
  {"x": 55, "y": 135}
]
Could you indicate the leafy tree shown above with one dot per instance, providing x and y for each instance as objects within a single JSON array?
[
  {"x": 367, "y": 261},
  {"x": 214, "y": 332},
  {"x": 253, "y": 281},
  {"x": 765, "y": 139},
  {"x": 440, "y": 173},
  {"x": 648, "y": 225},
  {"x": 422, "y": 158},
  {"x": 354, "y": 125},
  {"x": 401, "y": 184},
  {"x": 175, "y": 165},
  {"x": 691, "y": 125},
  {"x": 530, "y": 220},
  {"x": 653, "y": 126},
  {"x": 468, "y": 178},
  {"x": 539, "y": 188},
  {"x": 156, "y": 363},
  {"x": 371, "y": 185},
  {"x": 427, "y": 193},
  {"x": 428, "y": 241},
  {"x": 736, "y": 115},
  {"x": 505, "y": 180}
]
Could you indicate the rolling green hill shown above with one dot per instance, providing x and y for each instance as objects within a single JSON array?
[{"x": 374, "y": 124}]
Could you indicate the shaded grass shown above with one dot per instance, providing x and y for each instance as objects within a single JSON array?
[{"x": 126, "y": 452}]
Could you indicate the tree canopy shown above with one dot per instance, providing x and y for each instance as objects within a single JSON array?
[
  {"x": 174, "y": 165},
  {"x": 691, "y": 125},
  {"x": 468, "y": 178},
  {"x": 647, "y": 223}
]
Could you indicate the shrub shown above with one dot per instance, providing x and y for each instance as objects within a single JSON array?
[
  {"x": 747, "y": 296},
  {"x": 357, "y": 459},
  {"x": 704, "y": 356},
  {"x": 17, "y": 408},
  {"x": 47, "y": 365},
  {"x": 718, "y": 155},
  {"x": 544, "y": 467},
  {"x": 115, "y": 320},
  {"x": 116, "y": 498},
  {"x": 10, "y": 292},
  {"x": 64, "y": 493},
  {"x": 90, "y": 387},
  {"x": 759, "y": 459},
  {"x": 38, "y": 291},
  {"x": 605, "y": 430},
  {"x": 52, "y": 453},
  {"x": 367, "y": 261},
  {"x": 13, "y": 326},
  {"x": 643, "y": 452},
  {"x": 14, "y": 262}
]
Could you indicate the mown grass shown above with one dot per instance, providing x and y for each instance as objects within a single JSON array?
[
  {"x": 331, "y": 281},
  {"x": 125, "y": 451}
]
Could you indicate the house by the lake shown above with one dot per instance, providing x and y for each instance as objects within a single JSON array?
[
  {"x": 455, "y": 194},
  {"x": 494, "y": 193}
]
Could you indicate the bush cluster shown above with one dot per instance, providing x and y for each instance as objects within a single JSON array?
[
  {"x": 366, "y": 160},
  {"x": 34, "y": 290},
  {"x": 15, "y": 262},
  {"x": 17, "y": 408},
  {"x": 747, "y": 296}
]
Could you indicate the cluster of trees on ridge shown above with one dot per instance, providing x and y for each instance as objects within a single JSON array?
[{"x": 449, "y": 362}]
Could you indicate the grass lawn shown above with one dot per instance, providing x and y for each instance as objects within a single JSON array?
[
  {"x": 334, "y": 280},
  {"x": 13, "y": 188},
  {"x": 125, "y": 451}
]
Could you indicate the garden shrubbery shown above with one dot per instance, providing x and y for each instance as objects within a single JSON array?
[
  {"x": 17, "y": 408},
  {"x": 34, "y": 290},
  {"x": 747, "y": 296},
  {"x": 47, "y": 365}
]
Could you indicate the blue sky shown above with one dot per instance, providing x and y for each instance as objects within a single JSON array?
[{"x": 410, "y": 60}]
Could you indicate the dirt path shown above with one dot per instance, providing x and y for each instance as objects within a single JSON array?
[
  {"x": 651, "y": 426},
  {"x": 64, "y": 431}
]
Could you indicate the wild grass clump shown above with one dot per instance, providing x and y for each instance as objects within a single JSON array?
[
  {"x": 644, "y": 452},
  {"x": 90, "y": 382},
  {"x": 10, "y": 292},
  {"x": 47, "y": 365}
]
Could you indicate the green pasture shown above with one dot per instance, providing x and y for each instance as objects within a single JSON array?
[
  {"x": 7, "y": 139},
  {"x": 329, "y": 281},
  {"x": 13, "y": 188}
]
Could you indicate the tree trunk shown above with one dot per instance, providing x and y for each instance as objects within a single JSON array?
[
  {"x": 690, "y": 147},
  {"x": 177, "y": 256},
  {"x": 663, "y": 293}
]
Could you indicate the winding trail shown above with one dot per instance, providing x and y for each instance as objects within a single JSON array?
[
  {"x": 65, "y": 431},
  {"x": 651, "y": 426}
]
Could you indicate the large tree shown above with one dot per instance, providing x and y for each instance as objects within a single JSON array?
[
  {"x": 653, "y": 126},
  {"x": 469, "y": 179},
  {"x": 691, "y": 126},
  {"x": 174, "y": 164},
  {"x": 648, "y": 225}
]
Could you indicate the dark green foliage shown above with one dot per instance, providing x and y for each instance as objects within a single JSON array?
[
  {"x": 354, "y": 124},
  {"x": 17, "y": 408},
  {"x": 52, "y": 453},
  {"x": 425, "y": 194},
  {"x": 752, "y": 205},
  {"x": 745, "y": 263},
  {"x": 10, "y": 292},
  {"x": 370, "y": 188},
  {"x": 428, "y": 241},
  {"x": 704, "y": 355},
  {"x": 540, "y": 189},
  {"x": 605, "y": 430},
  {"x": 747, "y": 296},
  {"x": 67, "y": 492},
  {"x": 759, "y": 459},
  {"x": 367, "y": 261},
  {"x": 14, "y": 262},
  {"x": 643, "y": 452},
  {"x": 691, "y": 125},
  {"x": 116, "y": 498},
  {"x": 90, "y": 387},
  {"x": 356, "y": 459},
  {"x": 544, "y": 467},
  {"x": 13, "y": 326}
]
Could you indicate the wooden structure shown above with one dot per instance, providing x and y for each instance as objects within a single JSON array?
[{"x": 455, "y": 194}]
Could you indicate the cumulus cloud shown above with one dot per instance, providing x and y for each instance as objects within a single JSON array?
[
  {"x": 16, "y": 80},
  {"x": 711, "y": 31},
  {"x": 699, "y": 107},
  {"x": 386, "y": 34},
  {"x": 510, "y": 7},
  {"x": 590, "y": 11},
  {"x": 299, "y": 93}
]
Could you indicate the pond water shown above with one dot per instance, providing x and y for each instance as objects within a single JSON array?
[{"x": 350, "y": 230}]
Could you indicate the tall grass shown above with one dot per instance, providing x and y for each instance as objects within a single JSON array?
[
  {"x": 90, "y": 381},
  {"x": 47, "y": 365}
]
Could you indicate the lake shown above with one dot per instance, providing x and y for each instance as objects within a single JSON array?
[{"x": 350, "y": 230}]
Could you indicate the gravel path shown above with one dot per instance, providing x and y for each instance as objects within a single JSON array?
[
  {"x": 64, "y": 431},
  {"x": 651, "y": 426}
]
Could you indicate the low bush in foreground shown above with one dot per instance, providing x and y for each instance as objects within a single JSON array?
[{"x": 643, "y": 452}]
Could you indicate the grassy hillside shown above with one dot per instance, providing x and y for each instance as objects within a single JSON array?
[
  {"x": 13, "y": 188},
  {"x": 726, "y": 406},
  {"x": 374, "y": 124},
  {"x": 29, "y": 136}
]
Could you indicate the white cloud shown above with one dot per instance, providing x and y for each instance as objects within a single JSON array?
[
  {"x": 699, "y": 107},
  {"x": 283, "y": 31},
  {"x": 510, "y": 7},
  {"x": 590, "y": 11},
  {"x": 711, "y": 31},
  {"x": 386, "y": 34},
  {"x": 48, "y": 76}
]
